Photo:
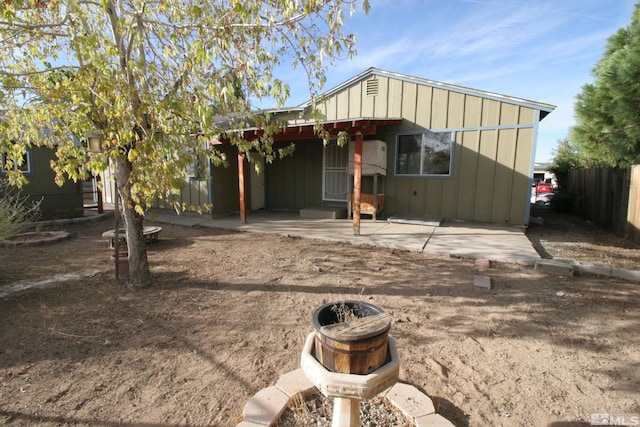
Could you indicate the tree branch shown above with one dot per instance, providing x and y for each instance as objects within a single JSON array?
[{"x": 37, "y": 72}]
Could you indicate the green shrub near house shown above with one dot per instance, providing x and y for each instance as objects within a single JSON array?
[{"x": 16, "y": 210}]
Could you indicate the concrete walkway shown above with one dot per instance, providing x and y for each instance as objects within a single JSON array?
[{"x": 495, "y": 243}]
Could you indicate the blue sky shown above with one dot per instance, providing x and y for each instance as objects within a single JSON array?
[{"x": 537, "y": 50}]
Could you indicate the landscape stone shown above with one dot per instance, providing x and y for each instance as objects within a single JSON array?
[
  {"x": 266, "y": 406},
  {"x": 554, "y": 267},
  {"x": 482, "y": 281}
]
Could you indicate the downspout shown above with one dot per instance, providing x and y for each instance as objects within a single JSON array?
[{"x": 527, "y": 208}]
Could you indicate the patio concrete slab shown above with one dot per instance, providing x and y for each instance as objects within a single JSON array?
[{"x": 494, "y": 243}]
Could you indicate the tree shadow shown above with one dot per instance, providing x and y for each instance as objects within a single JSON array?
[{"x": 450, "y": 411}]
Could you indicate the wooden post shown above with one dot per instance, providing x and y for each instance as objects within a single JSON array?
[
  {"x": 116, "y": 226},
  {"x": 357, "y": 184},
  {"x": 349, "y": 198},
  {"x": 242, "y": 188},
  {"x": 99, "y": 194},
  {"x": 375, "y": 197},
  {"x": 346, "y": 412}
]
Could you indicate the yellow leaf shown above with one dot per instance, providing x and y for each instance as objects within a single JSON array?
[{"x": 133, "y": 155}]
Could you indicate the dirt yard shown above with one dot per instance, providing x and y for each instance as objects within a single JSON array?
[{"x": 229, "y": 312}]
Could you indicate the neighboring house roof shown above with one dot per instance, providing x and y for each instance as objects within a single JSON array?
[
  {"x": 542, "y": 166},
  {"x": 544, "y": 108}
]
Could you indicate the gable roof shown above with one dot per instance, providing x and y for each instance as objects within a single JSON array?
[{"x": 545, "y": 109}]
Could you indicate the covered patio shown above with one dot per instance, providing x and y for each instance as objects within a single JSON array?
[
  {"x": 456, "y": 239},
  {"x": 355, "y": 129}
]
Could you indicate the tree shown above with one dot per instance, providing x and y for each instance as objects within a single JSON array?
[
  {"x": 159, "y": 80},
  {"x": 607, "y": 130},
  {"x": 565, "y": 159}
]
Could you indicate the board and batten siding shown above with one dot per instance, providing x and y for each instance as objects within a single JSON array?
[
  {"x": 492, "y": 156},
  {"x": 295, "y": 181}
]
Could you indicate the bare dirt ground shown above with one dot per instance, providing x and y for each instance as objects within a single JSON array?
[{"x": 228, "y": 314}]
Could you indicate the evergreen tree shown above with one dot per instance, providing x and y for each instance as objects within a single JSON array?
[{"x": 607, "y": 132}]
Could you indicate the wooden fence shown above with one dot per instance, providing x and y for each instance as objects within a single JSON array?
[
  {"x": 608, "y": 197},
  {"x": 633, "y": 212}
]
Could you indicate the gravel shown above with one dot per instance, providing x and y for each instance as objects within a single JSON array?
[{"x": 318, "y": 411}]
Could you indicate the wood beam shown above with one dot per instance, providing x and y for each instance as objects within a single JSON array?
[
  {"x": 366, "y": 127},
  {"x": 242, "y": 189},
  {"x": 357, "y": 184}
]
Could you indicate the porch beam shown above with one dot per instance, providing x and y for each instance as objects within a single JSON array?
[{"x": 351, "y": 127}]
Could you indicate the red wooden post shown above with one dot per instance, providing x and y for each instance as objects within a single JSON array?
[
  {"x": 241, "y": 185},
  {"x": 357, "y": 184}
]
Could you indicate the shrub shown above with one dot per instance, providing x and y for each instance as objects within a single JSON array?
[
  {"x": 563, "y": 200},
  {"x": 15, "y": 210}
]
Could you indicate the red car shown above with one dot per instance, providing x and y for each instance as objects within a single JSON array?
[{"x": 544, "y": 187}]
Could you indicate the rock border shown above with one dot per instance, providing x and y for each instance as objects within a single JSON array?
[
  {"x": 42, "y": 238},
  {"x": 267, "y": 406},
  {"x": 562, "y": 268}
]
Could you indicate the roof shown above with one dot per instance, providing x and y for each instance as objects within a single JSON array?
[{"x": 544, "y": 108}]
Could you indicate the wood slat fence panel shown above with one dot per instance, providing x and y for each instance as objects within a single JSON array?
[
  {"x": 602, "y": 195},
  {"x": 633, "y": 212}
]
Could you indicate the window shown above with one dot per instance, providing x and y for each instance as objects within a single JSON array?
[
  {"x": 25, "y": 167},
  {"x": 425, "y": 153},
  {"x": 195, "y": 167}
]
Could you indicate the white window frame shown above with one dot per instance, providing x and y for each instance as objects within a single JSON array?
[{"x": 25, "y": 167}]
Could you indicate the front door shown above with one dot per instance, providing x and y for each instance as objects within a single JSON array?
[{"x": 334, "y": 172}]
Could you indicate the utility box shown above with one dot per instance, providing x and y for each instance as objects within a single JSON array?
[{"x": 374, "y": 157}]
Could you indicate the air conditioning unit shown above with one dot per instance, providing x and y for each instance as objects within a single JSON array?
[{"x": 374, "y": 157}]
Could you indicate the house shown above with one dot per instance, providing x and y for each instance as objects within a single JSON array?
[
  {"x": 56, "y": 202},
  {"x": 542, "y": 172},
  {"x": 424, "y": 149}
]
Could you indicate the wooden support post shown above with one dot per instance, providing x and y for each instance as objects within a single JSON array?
[
  {"x": 99, "y": 193},
  {"x": 242, "y": 189},
  {"x": 357, "y": 184},
  {"x": 349, "y": 199},
  {"x": 116, "y": 226},
  {"x": 375, "y": 197},
  {"x": 346, "y": 412}
]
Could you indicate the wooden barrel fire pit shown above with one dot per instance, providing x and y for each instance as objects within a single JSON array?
[{"x": 351, "y": 337}]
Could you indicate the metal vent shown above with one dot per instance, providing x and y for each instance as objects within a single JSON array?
[{"x": 372, "y": 87}]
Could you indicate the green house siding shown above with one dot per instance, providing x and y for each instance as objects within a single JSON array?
[
  {"x": 486, "y": 185},
  {"x": 492, "y": 155},
  {"x": 57, "y": 202},
  {"x": 224, "y": 183},
  {"x": 295, "y": 182}
]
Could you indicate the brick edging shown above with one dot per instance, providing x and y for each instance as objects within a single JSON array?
[{"x": 267, "y": 406}]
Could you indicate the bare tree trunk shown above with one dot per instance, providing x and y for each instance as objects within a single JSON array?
[{"x": 139, "y": 274}]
